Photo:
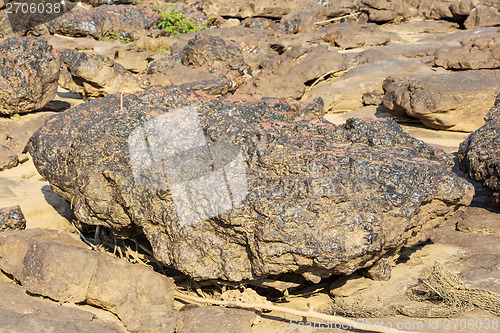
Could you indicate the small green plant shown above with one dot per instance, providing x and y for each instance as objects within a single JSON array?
[
  {"x": 113, "y": 35},
  {"x": 177, "y": 23}
]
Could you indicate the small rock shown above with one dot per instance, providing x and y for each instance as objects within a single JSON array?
[
  {"x": 12, "y": 218},
  {"x": 372, "y": 98},
  {"x": 214, "y": 319},
  {"x": 29, "y": 70},
  {"x": 8, "y": 159}
]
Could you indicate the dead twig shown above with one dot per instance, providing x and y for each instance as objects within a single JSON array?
[
  {"x": 338, "y": 18},
  {"x": 334, "y": 73},
  {"x": 306, "y": 314}
]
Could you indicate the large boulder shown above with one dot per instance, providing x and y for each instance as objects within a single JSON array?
[
  {"x": 29, "y": 70},
  {"x": 246, "y": 189},
  {"x": 455, "y": 101},
  {"x": 479, "y": 154}
]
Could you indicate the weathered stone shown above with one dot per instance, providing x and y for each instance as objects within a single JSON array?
[
  {"x": 345, "y": 91},
  {"x": 479, "y": 154},
  {"x": 353, "y": 35},
  {"x": 206, "y": 63},
  {"x": 305, "y": 196},
  {"x": 93, "y": 76},
  {"x": 15, "y": 244},
  {"x": 23, "y": 313},
  {"x": 71, "y": 273},
  {"x": 478, "y": 53},
  {"x": 287, "y": 75},
  {"x": 214, "y": 55},
  {"x": 483, "y": 16},
  {"x": 29, "y": 70},
  {"x": 450, "y": 101},
  {"x": 372, "y": 98},
  {"x": 214, "y": 319},
  {"x": 12, "y": 218},
  {"x": 96, "y": 22},
  {"x": 8, "y": 159},
  {"x": 254, "y": 8}
]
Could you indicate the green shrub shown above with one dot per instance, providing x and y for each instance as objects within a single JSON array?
[{"x": 177, "y": 23}]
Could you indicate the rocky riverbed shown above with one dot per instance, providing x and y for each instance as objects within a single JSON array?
[{"x": 307, "y": 154}]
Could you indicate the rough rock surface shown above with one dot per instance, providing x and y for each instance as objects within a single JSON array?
[
  {"x": 206, "y": 63},
  {"x": 450, "y": 101},
  {"x": 24, "y": 313},
  {"x": 8, "y": 159},
  {"x": 215, "y": 319},
  {"x": 29, "y": 70},
  {"x": 286, "y": 76},
  {"x": 96, "y": 22},
  {"x": 483, "y": 16},
  {"x": 479, "y": 154},
  {"x": 478, "y": 53},
  {"x": 70, "y": 273},
  {"x": 93, "y": 76},
  {"x": 303, "y": 196},
  {"x": 12, "y": 218},
  {"x": 234, "y": 8}
]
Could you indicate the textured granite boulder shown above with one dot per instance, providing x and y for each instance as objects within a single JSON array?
[
  {"x": 479, "y": 154},
  {"x": 29, "y": 70},
  {"x": 246, "y": 189},
  {"x": 456, "y": 101}
]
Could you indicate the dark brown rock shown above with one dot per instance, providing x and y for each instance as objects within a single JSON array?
[
  {"x": 214, "y": 319},
  {"x": 12, "y": 218},
  {"x": 29, "y": 70},
  {"x": 451, "y": 101},
  {"x": 306, "y": 196},
  {"x": 479, "y": 154}
]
